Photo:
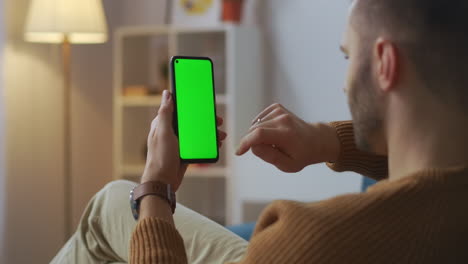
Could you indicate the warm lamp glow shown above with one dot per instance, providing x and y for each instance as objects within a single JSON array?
[
  {"x": 54, "y": 21},
  {"x": 66, "y": 22}
]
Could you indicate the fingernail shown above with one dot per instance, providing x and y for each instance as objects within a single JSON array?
[
  {"x": 164, "y": 97},
  {"x": 168, "y": 95}
]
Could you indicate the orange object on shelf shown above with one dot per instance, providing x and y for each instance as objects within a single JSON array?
[
  {"x": 232, "y": 10},
  {"x": 136, "y": 90}
]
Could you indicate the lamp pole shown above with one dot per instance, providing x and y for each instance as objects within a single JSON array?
[{"x": 67, "y": 144}]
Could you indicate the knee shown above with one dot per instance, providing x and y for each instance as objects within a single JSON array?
[
  {"x": 118, "y": 185},
  {"x": 112, "y": 200},
  {"x": 116, "y": 190}
]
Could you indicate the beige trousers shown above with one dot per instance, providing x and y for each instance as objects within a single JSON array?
[{"x": 106, "y": 226}]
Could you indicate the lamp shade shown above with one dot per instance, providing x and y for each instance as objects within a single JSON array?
[{"x": 54, "y": 21}]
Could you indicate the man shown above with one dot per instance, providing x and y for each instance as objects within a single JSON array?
[{"x": 408, "y": 95}]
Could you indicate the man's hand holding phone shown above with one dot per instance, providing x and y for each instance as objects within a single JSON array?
[
  {"x": 281, "y": 138},
  {"x": 163, "y": 162}
]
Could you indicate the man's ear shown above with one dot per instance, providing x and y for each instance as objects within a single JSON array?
[{"x": 387, "y": 58}]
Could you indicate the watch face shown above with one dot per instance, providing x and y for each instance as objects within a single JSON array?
[{"x": 133, "y": 206}]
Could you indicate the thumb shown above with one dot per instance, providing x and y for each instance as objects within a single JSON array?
[{"x": 166, "y": 111}]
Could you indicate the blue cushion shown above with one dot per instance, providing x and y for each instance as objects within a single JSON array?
[
  {"x": 245, "y": 231},
  {"x": 367, "y": 182}
]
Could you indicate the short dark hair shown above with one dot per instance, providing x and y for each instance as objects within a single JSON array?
[{"x": 433, "y": 34}]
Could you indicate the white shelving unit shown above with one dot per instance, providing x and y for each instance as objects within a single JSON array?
[{"x": 139, "y": 55}]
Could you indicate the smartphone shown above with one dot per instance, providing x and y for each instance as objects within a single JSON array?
[{"x": 193, "y": 91}]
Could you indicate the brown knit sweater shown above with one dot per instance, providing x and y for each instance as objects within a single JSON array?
[{"x": 422, "y": 218}]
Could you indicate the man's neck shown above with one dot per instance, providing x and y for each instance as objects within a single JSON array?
[{"x": 435, "y": 140}]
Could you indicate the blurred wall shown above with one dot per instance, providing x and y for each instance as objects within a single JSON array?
[
  {"x": 2, "y": 138},
  {"x": 92, "y": 115},
  {"x": 33, "y": 195}
]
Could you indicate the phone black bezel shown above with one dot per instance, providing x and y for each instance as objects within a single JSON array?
[{"x": 174, "y": 97}]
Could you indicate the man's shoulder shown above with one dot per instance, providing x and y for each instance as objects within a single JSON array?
[
  {"x": 385, "y": 200},
  {"x": 408, "y": 218}
]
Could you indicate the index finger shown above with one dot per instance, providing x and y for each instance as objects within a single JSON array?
[{"x": 261, "y": 135}]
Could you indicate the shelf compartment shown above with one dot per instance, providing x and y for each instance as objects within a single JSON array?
[
  {"x": 145, "y": 62},
  {"x": 150, "y": 101}
]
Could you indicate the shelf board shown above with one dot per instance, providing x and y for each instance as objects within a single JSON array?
[
  {"x": 165, "y": 30},
  {"x": 150, "y": 100},
  {"x": 202, "y": 29},
  {"x": 155, "y": 100},
  {"x": 208, "y": 172}
]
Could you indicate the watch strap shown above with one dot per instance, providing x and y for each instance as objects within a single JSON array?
[{"x": 157, "y": 188}]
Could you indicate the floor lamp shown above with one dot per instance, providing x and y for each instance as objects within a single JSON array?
[{"x": 65, "y": 23}]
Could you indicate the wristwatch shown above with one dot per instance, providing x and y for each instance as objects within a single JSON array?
[{"x": 157, "y": 188}]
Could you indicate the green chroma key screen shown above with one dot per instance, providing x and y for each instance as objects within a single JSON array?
[{"x": 193, "y": 88}]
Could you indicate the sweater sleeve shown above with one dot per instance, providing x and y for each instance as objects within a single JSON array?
[
  {"x": 157, "y": 242},
  {"x": 352, "y": 159}
]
